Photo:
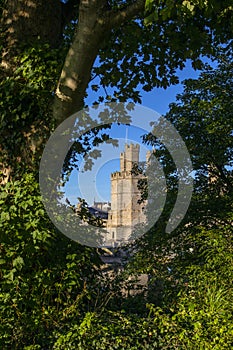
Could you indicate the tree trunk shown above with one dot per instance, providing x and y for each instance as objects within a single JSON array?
[
  {"x": 23, "y": 23},
  {"x": 26, "y": 21}
]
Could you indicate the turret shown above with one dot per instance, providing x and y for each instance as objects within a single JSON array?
[{"x": 129, "y": 157}]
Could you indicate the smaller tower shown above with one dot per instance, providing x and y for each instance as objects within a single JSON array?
[{"x": 129, "y": 157}]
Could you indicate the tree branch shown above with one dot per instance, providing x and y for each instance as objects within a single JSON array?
[
  {"x": 92, "y": 29},
  {"x": 76, "y": 72},
  {"x": 126, "y": 13}
]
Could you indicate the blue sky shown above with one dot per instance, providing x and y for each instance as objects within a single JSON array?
[{"x": 96, "y": 183}]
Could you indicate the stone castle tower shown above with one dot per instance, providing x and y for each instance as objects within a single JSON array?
[{"x": 125, "y": 211}]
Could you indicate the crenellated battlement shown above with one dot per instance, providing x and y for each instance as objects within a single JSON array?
[
  {"x": 132, "y": 146},
  {"x": 121, "y": 174},
  {"x": 116, "y": 175}
]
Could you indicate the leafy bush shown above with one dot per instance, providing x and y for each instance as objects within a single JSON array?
[{"x": 46, "y": 279}]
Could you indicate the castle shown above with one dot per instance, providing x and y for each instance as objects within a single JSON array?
[{"x": 124, "y": 212}]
